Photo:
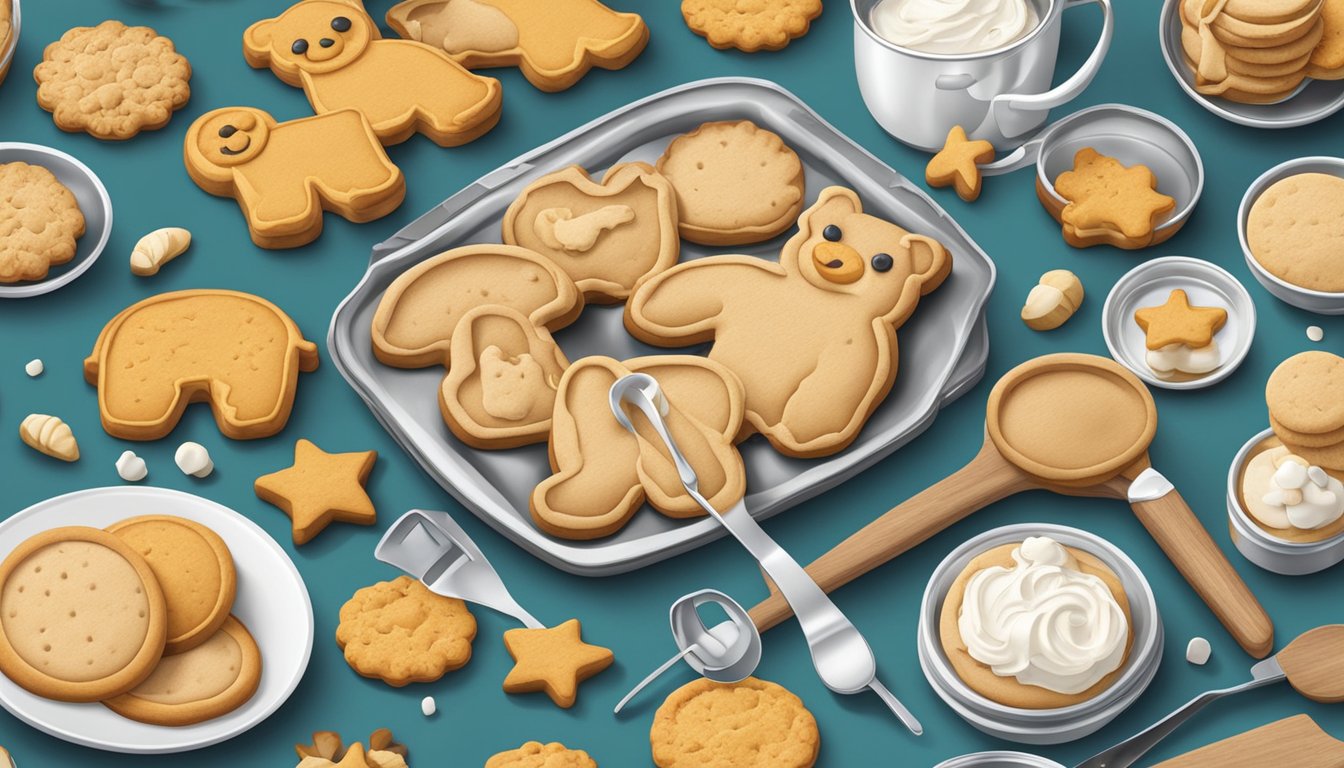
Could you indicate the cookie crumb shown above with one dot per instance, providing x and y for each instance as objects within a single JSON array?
[
  {"x": 1198, "y": 651},
  {"x": 428, "y": 707},
  {"x": 131, "y": 467},
  {"x": 35, "y": 367},
  {"x": 193, "y": 459},
  {"x": 1315, "y": 332}
]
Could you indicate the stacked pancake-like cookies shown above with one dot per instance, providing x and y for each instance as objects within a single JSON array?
[{"x": 1261, "y": 51}]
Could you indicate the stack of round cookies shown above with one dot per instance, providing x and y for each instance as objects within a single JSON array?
[
  {"x": 1305, "y": 395},
  {"x": 1260, "y": 51}
]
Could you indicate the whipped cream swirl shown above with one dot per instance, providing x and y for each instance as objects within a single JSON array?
[
  {"x": 953, "y": 26},
  {"x": 1284, "y": 491},
  {"x": 1044, "y": 622}
]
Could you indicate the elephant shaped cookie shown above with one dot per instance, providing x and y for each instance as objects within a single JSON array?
[
  {"x": 812, "y": 338},
  {"x": 500, "y": 387},
  {"x": 606, "y": 236},
  {"x": 236, "y": 351},
  {"x": 602, "y": 473},
  {"x": 554, "y": 42},
  {"x": 333, "y": 50},
  {"x": 284, "y": 175}
]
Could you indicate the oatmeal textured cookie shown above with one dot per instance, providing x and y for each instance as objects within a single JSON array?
[
  {"x": 751, "y": 724},
  {"x": 112, "y": 81},
  {"x": 534, "y": 754},
  {"x": 750, "y": 25},
  {"x": 400, "y": 632},
  {"x": 39, "y": 222}
]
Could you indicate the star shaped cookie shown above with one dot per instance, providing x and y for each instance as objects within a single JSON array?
[
  {"x": 553, "y": 660},
  {"x": 320, "y": 488},
  {"x": 958, "y": 163},
  {"x": 1176, "y": 322},
  {"x": 1103, "y": 194}
]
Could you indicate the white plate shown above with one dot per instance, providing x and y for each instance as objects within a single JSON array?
[
  {"x": 1149, "y": 285},
  {"x": 272, "y": 602}
]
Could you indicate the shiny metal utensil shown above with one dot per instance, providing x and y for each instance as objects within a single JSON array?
[
  {"x": 728, "y": 652},
  {"x": 433, "y": 548},
  {"x": 842, "y": 658}
]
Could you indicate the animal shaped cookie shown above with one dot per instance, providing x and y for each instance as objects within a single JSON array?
[
  {"x": 284, "y": 175},
  {"x": 238, "y": 352},
  {"x": 500, "y": 387},
  {"x": 603, "y": 473},
  {"x": 554, "y": 43},
  {"x": 812, "y": 338},
  {"x": 333, "y": 51},
  {"x": 606, "y": 236}
]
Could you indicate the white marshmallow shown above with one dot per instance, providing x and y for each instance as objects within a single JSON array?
[
  {"x": 1315, "y": 332},
  {"x": 34, "y": 368},
  {"x": 1198, "y": 651},
  {"x": 131, "y": 467},
  {"x": 427, "y": 706},
  {"x": 193, "y": 459}
]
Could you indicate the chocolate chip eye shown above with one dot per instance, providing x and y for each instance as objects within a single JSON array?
[
  {"x": 227, "y": 131},
  {"x": 299, "y": 47},
  {"x": 882, "y": 262},
  {"x": 340, "y": 24},
  {"x": 832, "y": 233}
]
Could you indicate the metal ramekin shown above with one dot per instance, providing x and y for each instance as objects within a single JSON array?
[{"x": 1042, "y": 726}]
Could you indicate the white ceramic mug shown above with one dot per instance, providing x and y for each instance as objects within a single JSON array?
[{"x": 1001, "y": 95}]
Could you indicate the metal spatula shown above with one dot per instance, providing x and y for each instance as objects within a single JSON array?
[{"x": 433, "y": 548}]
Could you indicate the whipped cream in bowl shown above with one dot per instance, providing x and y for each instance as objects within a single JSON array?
[
  {"x": 954, "y": 26},
  {"x": 1046, "y": 624}
]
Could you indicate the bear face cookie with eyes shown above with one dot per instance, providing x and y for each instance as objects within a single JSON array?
[
  {"x": 812, "y": 338},
  {"x": 333, "y": 50},
  {"x": 284, "y": 175}
]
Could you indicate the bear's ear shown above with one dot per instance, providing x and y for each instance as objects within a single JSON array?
[
  {"x": 257, "y": 42},
  {"x": 833, "y": 204},
  {"x": 929, "y": 261}
]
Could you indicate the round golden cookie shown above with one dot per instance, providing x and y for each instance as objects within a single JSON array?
[
  {"x": 1268, "y": 11},
  {"x": 208, "y": 681},
  {"x": 195, "y": 570},
  {"x": 750, "y": 25},
  {"x": 1286, "y": 30},
  {"x": 1305, "y": 393},
  {"x": 399, "y": 632},
  {"x": 1309, "y": 439},
  {"x": 735, "y": 183},
  {"x": 1193, "y": 49},
  {"x": 751, "y": 724},
  {"x": 534, "y": 754},
  {"x": 82, "y": 617},
  {"x": 1331, "y": 457},
  {"x": 1294, "y": 229},
  {"x": 1295, "y": 535},
  {"x": 1006, "y": 690}
]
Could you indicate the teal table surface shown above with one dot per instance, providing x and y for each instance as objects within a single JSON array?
[{"x": 1198, "y": 434}]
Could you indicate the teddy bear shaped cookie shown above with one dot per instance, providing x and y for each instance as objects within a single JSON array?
[
  {"x": 284, "y": 175},
  {"x": 554, "y": 42},
  {"x": 813, "y": 337},
  {"x": 334, "y": 51}
]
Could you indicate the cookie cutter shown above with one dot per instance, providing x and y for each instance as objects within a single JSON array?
[
  {"x": 1313, "y": 101},
  {"x": 727, "y": 652},
  {"x": 841, "y": 656},
  {"x": 1320, "y": 302},
  {"x": 433, "y": 548},
  {"x": 93, "y": 201},
  {"x": 1149, "y": 284},
  {"x": 1129, "y": 134},
  {"x": 1290, "y": 558}
]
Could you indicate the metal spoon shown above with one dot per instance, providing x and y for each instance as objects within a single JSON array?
[{"x": 842, "y": 658}]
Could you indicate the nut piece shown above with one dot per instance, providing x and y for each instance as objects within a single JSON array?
[
  {"x": 193, "y": 459},
  {"x": 158, "y": 248},
  {"x": 49, "y": 435},
  {"x": 1053, "y": 300},
  {"x": 131, "y": 468}
]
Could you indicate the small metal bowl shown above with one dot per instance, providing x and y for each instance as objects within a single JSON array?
[
  {"x": 1290, "y": 558},
  {"x": 1149, "y": 284},
  {"x": 7, "y": 53},
  {"x": 1042, "y": 726},
  {"x": 999, "y": 759},
  {"x": 1315, "y": 100},
  {"x": 1320, "y": 302},
  {"x": 93, "y": 201}
]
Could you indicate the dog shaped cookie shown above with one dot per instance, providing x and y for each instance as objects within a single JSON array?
[
  {"x": 554, "y": 42},
  {"x": 603, "y": 473},
  {"x": 606, "y": 236},
  {"x": 812, "y": 338},
  {"x": 333, "y": 50},
  {"x": 236, "y": 351},
  {"x": 284, "y": 175}
]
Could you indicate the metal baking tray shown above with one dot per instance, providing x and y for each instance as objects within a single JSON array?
[{"x": 942, "y": 348}]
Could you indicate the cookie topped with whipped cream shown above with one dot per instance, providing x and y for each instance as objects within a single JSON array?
[
  {"x": 1289, "y": 497},
  {"x": 1037, "y": 625}
]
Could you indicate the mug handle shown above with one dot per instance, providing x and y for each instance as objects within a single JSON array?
[{"x": 1017, "y": 113}]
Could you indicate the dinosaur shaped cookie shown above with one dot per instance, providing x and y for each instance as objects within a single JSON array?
[
  {"x": 812, "y": 338},
  {"x": 554, "y": 42}
]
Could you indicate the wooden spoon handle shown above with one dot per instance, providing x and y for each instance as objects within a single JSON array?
[
  {"x": 986, "y": 479},
  {"x": 1204, "y": 566},
  {"x": 1295, "y": 741}
]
